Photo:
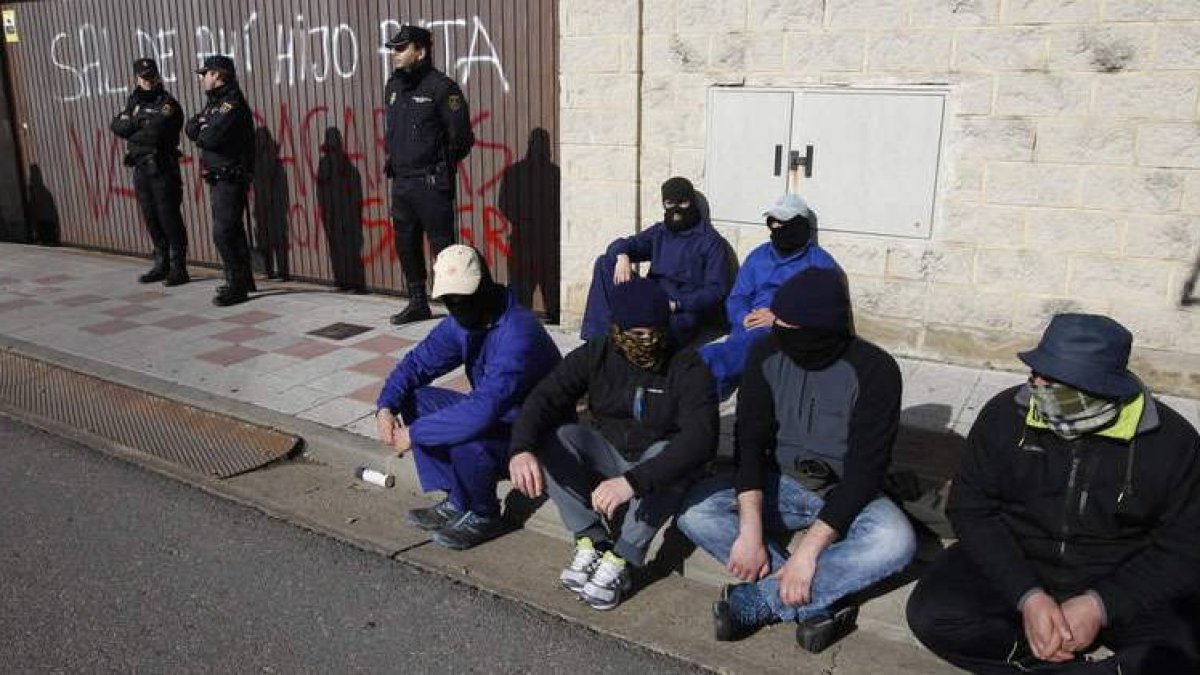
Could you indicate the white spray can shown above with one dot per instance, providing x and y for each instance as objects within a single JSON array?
[{"x": 375, "y": 477}]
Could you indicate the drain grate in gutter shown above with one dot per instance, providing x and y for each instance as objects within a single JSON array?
[
  {"x": 339, "y": 331},
  {"x": 203, "y": 441}
]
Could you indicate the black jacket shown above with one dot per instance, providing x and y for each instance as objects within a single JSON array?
[
  {"x": 150, "y": 124},
  {"x": 846, "y": 415},
  {"x": 427, "y": 122},
  {"x": 1119, "y": 516},
  {"x": 679, "y": 403},
  {"x": 224, "y": 130}
]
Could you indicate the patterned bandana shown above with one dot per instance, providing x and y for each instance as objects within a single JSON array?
[
  {"x": 644, "y": 351},
  {"x": 1068, "y": 412}
]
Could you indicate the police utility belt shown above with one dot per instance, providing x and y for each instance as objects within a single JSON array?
[
  {"x": 429, "y": 173},
  {"x": 154, "y": 161},
  {"x": 221, "y": 174}
]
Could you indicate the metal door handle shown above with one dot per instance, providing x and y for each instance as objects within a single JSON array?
[
  {"x": 795, "y": 161},
  {"x": 778, "y": 159}
]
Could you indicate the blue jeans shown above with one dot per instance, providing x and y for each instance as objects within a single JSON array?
[
  {"x": 880, "y": 541},
  {"x": 467, "y": 472}
]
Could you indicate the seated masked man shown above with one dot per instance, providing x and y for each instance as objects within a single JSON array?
[
  {"x": 1077, "y": 507},
  {"x": 748, "y": 306},
  {"x": 654, "y": 426},
  {"x": 688, "y": 261},
  {"x": 817, "y": 415},
  {"x": 460, "y": 441}
]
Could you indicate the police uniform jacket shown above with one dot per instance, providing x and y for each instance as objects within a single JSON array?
[
  {"x": 427, "y": 121},
  {"x": 150, "y": 124},
  {"x": 224, "y": 131}
]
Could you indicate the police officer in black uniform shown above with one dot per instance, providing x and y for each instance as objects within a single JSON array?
[
  {"x": 224, "y": 131},
  {"x": 150, "y": 124},
  {"x": 428, "y": 130}
]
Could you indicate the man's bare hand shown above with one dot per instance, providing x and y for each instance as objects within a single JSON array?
[
  {"x": 748, "y": 560},
  {"x": 401, "y": 441},
  {"x": 386, "y": 423},
  {"x": 1084, "y": 618},
  {"x": 623, "y": 270},
  {"x": 795, "y": 580},
  {"x": 610, "y": 495},
  {"x": 526, "y": 474},
  {"x": 1046, "y": 628},
  {"x": 761, "y": 317}
]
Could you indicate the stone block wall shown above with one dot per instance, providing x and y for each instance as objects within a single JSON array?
[{"x": 1070, "y": 172}]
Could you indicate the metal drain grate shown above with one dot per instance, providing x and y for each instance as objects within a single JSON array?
[
  {"x": 203, "y": 441},
  {"x": 339, "y": 331}
]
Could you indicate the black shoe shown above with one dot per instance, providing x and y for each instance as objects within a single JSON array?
[
  {"x": 227, "y": 296},
  {"x": 152, "y": 276},
  {"x": 726, "y": 626},
  {"x": 177, "y": 277},
  {"x": 468, "y": 531},
  {"x": 817, "y": 635},
  {"x": 415, "y": 311},
  {"x": 433, "y": 518}
]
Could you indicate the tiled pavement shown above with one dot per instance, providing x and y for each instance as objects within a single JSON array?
[{"x": 90, "y": 305}]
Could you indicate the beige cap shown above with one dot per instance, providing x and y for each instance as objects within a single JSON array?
[{"x": 457, "y": 271}]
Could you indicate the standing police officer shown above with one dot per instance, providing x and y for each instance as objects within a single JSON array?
[
  {"x": 150, "y": 124},
  {"x": 224, "y": 131},
  {"x": 428, "y": 129}
]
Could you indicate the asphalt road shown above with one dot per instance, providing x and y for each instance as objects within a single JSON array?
[{"x": 107, "y": 567}]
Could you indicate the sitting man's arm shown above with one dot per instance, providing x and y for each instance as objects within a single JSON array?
[
  {"x": 638, "y": 247},
  {"x": 713, "y": 285},
  {"x": 436, "y": 355},
  {"x": 754, "y": 439},
  {"x": 549, "y": 403}
]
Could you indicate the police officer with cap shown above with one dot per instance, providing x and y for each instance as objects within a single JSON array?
[
  {"x": 224, "y": 131},
  {"x": 428, "y": 131},
  {"x": 150, "y": 124}
]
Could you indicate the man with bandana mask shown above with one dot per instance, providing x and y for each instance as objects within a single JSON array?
[
  {"x": 427, "y": 133},
  {"x": 1077, "y": 507},
  {"x": 150, "y": 124},
  {"x": 687, "y": 260},
  {"x": 653, "y": 426},
  {"x": 817, "y": 415},
  {"x": 748, "y": 307},
  {"x": 460, "y": 441}
]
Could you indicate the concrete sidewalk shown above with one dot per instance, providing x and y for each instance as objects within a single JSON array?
[{"x": 257, "y": 361}]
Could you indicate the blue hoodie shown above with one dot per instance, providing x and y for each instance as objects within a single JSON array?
[
  {"x": 503, "y": 364},
  {"x": 691, "y": 265}
]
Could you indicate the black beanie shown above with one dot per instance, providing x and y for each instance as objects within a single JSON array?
[
  {"x": 814, "y": 298},
  {"x": 640, "y": 303},
  {"x": 678, "y": 189}
]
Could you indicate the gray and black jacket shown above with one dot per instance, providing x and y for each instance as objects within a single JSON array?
[{"x": 845, "y": 415}]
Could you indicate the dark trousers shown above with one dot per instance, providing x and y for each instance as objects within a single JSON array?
[
  {"x": 598, "y": 314},
  {"x": 955, "y": 613},
  {"x": 159, "y": 189},
  {"x": 229, "y": 231},
  {"x": 422, "y": 206}
]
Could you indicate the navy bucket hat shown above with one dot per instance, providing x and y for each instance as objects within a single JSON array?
[{"x": 1087, "y": 351}]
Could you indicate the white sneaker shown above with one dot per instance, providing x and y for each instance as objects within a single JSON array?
[
  {"x": 608, "y": 584},
  {"x": 576, "y": 575}
]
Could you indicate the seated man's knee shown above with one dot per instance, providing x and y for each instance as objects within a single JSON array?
[
  {"x": 703, "y": 506},
  {"x": 921, "y": 612},
  {"x": 889, "y": 538}
]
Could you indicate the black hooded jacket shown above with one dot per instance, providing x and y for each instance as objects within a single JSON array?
[
  {"x": 224, "y": 130},
  {"x": 1116, "y": 515},
  {"x": 150, "y": 124}
]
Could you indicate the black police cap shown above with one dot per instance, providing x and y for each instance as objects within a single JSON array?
[
  {"x": 146, "y": 68},
  {"x": 219, "y": 63},
  {"x": 410, "y": 33}
]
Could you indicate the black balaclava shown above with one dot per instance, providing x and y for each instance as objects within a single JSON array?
[
  {"x": 480, "y": 309},
  {"x": 790, "y": 235},
  {"x": 680, "y": 190},
  {"x": 817, "y": 302}
]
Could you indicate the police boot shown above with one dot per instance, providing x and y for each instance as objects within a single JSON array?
[
  {"x": 159, "y": 271},
  {"x": 417, "y": 309},
  {"x": 178, "y": 275},
  {"x": 230, "y": 295}
]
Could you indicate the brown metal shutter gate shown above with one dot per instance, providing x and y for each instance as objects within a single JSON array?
[{"x": 314, "y": 72}]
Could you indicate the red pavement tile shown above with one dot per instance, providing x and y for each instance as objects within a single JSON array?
[
  {"x": 182, "y": 322},
  {"x": 227, "y": 356},
  {"x": 53, "y": 279},
  {"x": 143, "y": 296},
  {"x": 383, "y": 344},
  {"x": 17, "y": 304},
  {"x": 80, "y": 300},
  {"x": 111, "y": 327},
  {"x": 243, "y": 334},
  {"x": 380, "y": 366},
  {"x": 126, "y": 311},
  {"x": 306, "y": 349},
  {"x": 368, "y": 394},
  {"x": 250, "y": 318}
]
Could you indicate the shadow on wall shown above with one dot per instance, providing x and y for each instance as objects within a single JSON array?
[
  {"x": 45, "y": 228},
  {"x": 340, "y": 197},
  {"x": 529, "y": 199},
  {"x": 1189, "y": 296},
  {"x": 271, "y": 200}
]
